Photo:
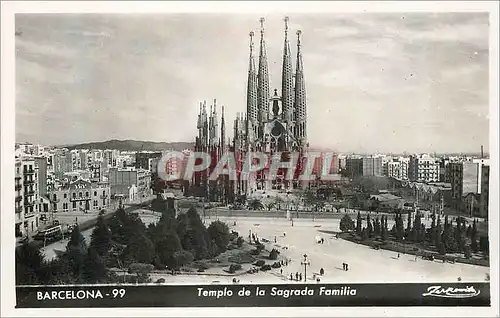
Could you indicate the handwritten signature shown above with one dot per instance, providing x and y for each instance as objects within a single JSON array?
[{"x": 451, "y": 292}]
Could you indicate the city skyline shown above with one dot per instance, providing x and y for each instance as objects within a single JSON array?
[{"x": 73, "y": 76}]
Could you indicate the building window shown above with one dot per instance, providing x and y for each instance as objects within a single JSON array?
[
  {"x": 65, "y": 195},
  {"x": 95, "y": 193},
  {"x": 80, "y": 195},
  {"x": 74, "y": 205},
  {"x": 74, "y": 195},
  {"x": 95, "y": 203},
  {"x": 103, "y": 192},
  {"x": 87, "y": 194},
  {"x": 55, "y": 197}
]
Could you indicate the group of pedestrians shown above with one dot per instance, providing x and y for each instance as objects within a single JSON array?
[
  {"x": 345, "y": 266},
  {"x": 298, "y": 276}
]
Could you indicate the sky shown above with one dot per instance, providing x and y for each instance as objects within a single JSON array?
[{"x": 375, "y": 82}]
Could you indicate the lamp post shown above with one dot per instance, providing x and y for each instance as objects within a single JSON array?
[{"x": 306, "y": 263}]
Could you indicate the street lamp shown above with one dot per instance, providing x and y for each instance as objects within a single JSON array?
[{"x": 306, "y": 263}]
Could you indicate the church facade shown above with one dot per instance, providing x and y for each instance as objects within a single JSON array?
[{"x": 273, "y": 123}]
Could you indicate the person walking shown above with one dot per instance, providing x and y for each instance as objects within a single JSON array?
[
  {"x": 281, "y": 271},
  {"x": 291, "y": 276},
  {"x": 398, "y": 255},
  {"x": 321, "y": 271},
  {"x": 346, "y": 267},
  {"x": 275, "y": 239},
  {"x": 300, "y": 276},
  {"x": 296, "y": 276}
]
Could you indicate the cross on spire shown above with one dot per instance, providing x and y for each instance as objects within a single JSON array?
[
  {"x": 286, "y": 25},
  {"x": 299, "y": 32},
  {"x": 262, "y": 25}
]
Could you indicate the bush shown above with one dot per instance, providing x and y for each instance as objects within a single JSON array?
[
  {"x": 273, "y": 254},
  {"x": 255, "y": 252},
  {"x": 239, "y": 241},
  {"x": 219, "y": 233},
  {"x": 276, "y": 265},
  {"x": 160, "y": 281},
  {"x": 346, "y": 224},
  {"x": 241, "y": 258},
  {"x": 259, "y": 263},
  {"x": 201, "y": 265},
  {"x": 265, "y": 268},
  {"x": 234, "y": 267},
  {"x": 137, "y": 268}
]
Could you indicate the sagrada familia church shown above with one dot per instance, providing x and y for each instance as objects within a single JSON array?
[{"x": 272, "y": 123}]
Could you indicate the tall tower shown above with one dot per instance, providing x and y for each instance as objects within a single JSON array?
[
  {"x": 222, "y": 134},
  {"x": 287, "y": 80},
  {"x": 263, "y": 79},
  {"x": 252, "y": 106},
  {"x": 300, "y": 98}
]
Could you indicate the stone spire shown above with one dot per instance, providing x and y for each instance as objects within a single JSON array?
[
  {"x": 252, "y": 108},
  {"x": 300, "y": 97},
  {"x": 287, "y": 79},
  {"x": 263, "y": 78},
  {"x": 222, "y": 133}
]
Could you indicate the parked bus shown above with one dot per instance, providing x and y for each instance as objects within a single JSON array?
[{"x": 50, "y": 234}]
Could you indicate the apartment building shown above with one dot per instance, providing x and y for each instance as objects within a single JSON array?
[
  {"x": 81, "y": 195},
  {"x": 27, "y": 197},
  {"x": 121, "y": 180}
]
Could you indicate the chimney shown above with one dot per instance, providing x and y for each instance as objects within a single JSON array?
[{"x": 482, "y": 152}]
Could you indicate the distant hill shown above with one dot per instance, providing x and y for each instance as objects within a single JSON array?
[{"x": 133, "y": 145}]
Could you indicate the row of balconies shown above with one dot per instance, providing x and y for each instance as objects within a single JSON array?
[
  {"x": 19, "y": 198},
  {"x": 28, "y": 171},
  {"x": 18, "y": 187},
  {"x": 29, "y": 203},
  {"x": 29, "y": 181}
]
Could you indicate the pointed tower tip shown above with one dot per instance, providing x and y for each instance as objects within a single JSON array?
[{"x": 262, "y": 20}]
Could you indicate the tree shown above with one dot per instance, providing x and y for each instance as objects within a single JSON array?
[
  {"x": 94, "y": 268},
  {"x": 376, "y": 226},
  {"x": 29, "y": 262},
  {"x": 383, "y": 230},
  {"x": 408, "y": 226},
  {"x": 101, "y": 237},
  {"x": 442, "y": 249},
  {"x": 399, "y": 227},
  {"x": 167, "y": 247},
  {"x": 239, "y": 241},
  {"x": 76, "y": 250},
  {"x": 255, "y": 204},
  {"x": 139, "y": 250},
  {"x": 273, "y": 255},
  {"x": 346, "y": 223},
  {"x": 196, "y": 238},
  {"x": 183, "y": 258},
  {"x": 484, "y": 245},
  {"x": 473, "y": 237},
  {"x": 448, "y": 238},
  {"x": 369, "y": 226},
  {"x": 270, "y": 206},
  {"x": 358, "y": 223},
  {"x": 219, "y": 233},
  {"x": 364, "y": 234}
]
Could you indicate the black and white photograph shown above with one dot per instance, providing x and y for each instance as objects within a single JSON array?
[{"x": 342, "y": 156}]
